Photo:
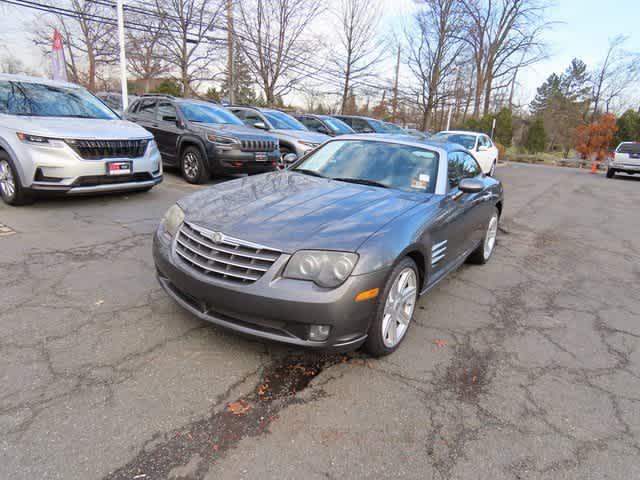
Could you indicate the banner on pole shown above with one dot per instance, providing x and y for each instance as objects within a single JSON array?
[{"x": 58, "y": 64}]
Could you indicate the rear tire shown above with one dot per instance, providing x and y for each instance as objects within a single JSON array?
[
  {"x": 193, "y": 167},
  {"x": 11, "y": 189},
  {"x": 483, "y": 253},
  {"x": 395, "y": 310},
  {"x": 611, "y": 173}
]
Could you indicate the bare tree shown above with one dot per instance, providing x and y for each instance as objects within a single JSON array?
[
  {"x": 273, "y": 35},
  {"x": 9, "y": 63},
  {"x": 357, "y": 49},
  {"x": 89, "y": 45},
  {"x": 618, "y": 72},
  {"x": 146, "y": 55},
  {"x": 188, "y": 37},
  {"x": 498, "y": 33},
  {"x": 434, "y": 48}
]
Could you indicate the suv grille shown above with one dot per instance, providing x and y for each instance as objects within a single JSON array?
[
  {"x": 229, "y": 259},
  {"x": 98, "y": 149},
  {"x": 259, "y": 145}
]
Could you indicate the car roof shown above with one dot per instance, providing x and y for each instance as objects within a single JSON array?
[
  {"x": 459, "y": 132},
  {"x": 9, "y": 77},
  {"x": 402, "y": 140}
]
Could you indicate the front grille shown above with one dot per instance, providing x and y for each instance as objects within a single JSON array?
[
  {"x": 229, "y": 258},
  {"x": 99, "y": 149},
  {"x": 258, "y": 145},
  {"x": 95, "y": 180}
]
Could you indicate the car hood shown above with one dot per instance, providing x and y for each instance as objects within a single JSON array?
[
  {"x": 231, "y": 129},
  {"x": 289, "y": 211},
  {"x": 303, "y": 135},
  {"x": 79, "y": 128}
]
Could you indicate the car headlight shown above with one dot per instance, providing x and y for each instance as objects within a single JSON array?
[
  {"x": 152, "y": 147},
  {"x": 221, "y": 141},
  {"x": 172, "y": 220},
  {"x": 309, "y": 144},
  {"x": 39, "y": 140},
  {"x": 325, "y": 269}
]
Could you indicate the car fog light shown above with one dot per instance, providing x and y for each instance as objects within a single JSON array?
[{"x": 318, "y": 333}]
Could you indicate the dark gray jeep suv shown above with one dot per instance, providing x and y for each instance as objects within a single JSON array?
[
  {"x": 203, "y": 139},
  {"x": 334, "y": 251}
]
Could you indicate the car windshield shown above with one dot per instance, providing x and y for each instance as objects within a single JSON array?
[
  {"x": 282, "y": 121},
  {"x": 630, "y": 147},
  {"x": 377, "y": 125},
  {"x": 467, "y": 141},
  {"x": 41, "y": 100},
  {"x": 395, "y": 129},
  {"x": 374, "y": 162},
  {"x": 337, "y": 126},
  {"x": 205, "y": 113}
]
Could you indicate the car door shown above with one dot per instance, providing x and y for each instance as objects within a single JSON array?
[
  {"x": 466, "y": 209},
  {"x": 484, "y": 153},
  {"x": 145, "y": 115},
  {"x": 168, "y": 131}
]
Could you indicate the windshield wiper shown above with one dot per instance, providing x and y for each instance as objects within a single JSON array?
[
  {"x": 362, "y": 181},
  {"x": 313, "y": 173}
]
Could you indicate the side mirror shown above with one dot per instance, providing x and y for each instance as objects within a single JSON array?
[
  {"x": 323, "y": 129},
  {"x": 289, "y": 158},
  {"x": 260, "y": 125},
  {"x": 471, "y": 185}
]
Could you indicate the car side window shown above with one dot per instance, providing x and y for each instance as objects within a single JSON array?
[
  {"x": 251, "y": 118},
  {"x": 346, "y": 120},
  {"x": 166, "y": 111},
  {"x": 239, "y": 113},
  {"x": 5, "y": 90},
  {"x": 461, "y": 165},
  {"x": 311, "y": 123},
  {"x": 360, "y": 125},
  {"x": 133, "y": 108},
  {"x": 147, "y": 108},
  {"x": 485, "y": 141}
]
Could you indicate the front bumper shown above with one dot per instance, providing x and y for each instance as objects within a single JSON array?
[
  {"x": 272, "y": 308},
  {"x": 238, "y": 161}
]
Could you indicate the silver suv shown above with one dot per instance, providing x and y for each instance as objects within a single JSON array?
[{"x": 56, "y": 137}]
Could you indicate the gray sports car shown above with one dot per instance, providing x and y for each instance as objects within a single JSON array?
[{"x": 333, "y": 252}]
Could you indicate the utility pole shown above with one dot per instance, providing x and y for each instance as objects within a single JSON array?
[
  {"x": 230, "y": 62},
  {"x": 394, "y": 103},
  {"x": 449, "y": 118},
  {"x": 123, "y": 57}
]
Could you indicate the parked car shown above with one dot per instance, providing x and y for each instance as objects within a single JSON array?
[
  {"x": 334, "y": 251},
  {"x": 324, "y": 124},
  {"x": 394, "y": 129},
  {"x": 363, "y": 124},
  {"x": 626, "y": 159},
  {"x": 113, "y": 100},
  {"x": 419, "y": 134},
  {"x": 56, "y": 137},
  {"x": 203, "y": 139},
  {"x": 484, "y": 150},
  {"x": 294, "y": 137}
]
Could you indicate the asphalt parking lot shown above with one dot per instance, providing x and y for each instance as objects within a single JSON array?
[{"x": 525, "y": 368}]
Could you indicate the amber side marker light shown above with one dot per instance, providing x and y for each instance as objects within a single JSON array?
[{"x": 367, "y": 294}]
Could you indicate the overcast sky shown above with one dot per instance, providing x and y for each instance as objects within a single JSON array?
[{"x": 582, "y": 30}]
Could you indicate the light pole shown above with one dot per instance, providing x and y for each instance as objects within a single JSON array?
[{"x": 123, "y": 57}]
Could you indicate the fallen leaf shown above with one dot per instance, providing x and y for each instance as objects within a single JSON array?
[
  {"x": 239, "y": 408},
  {"x": 262, "y": 389},
  {"x": 440, "y": 343}
]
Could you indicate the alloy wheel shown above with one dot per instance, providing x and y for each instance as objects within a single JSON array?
[
  {"x": 490, "y": 237},
  {"x": 399, "y": 306},
  {"x": 492, "y": 172},
  {"x": 190, "y": 165},
  {"x": 7, "y": 181}
]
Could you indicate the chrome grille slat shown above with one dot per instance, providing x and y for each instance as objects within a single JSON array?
[
  {"x": 227, "y": 258},
  {"x": 258, "y": 145},
  {"x": 98, "y": 149}
]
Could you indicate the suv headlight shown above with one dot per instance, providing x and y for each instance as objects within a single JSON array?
[
  {"x": 221, "y": 141},
  {"x": 39, "y": 140},
  {"x": 324, "y": 268},
  {"x": 172, "y": 220}
]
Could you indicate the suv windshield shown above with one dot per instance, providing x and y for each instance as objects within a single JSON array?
[
  {"x": 629, "y": 147},
  {"x": 467, "y": 141},
  {"x": 205, "y": 113},
  {"x": 282, "y": 121},
  {"x": 336, "y": 125},
  {"x": 41, "y": 100},
  {"x": 376, "y": 163}
]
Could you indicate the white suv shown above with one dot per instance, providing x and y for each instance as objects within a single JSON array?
[
  {"x": 626, "y": 159},
  {"x": 57, "y": 137}
]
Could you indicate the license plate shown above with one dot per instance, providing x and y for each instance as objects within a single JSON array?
[
  {"x": 118, "y": 168},
  {"x": 261, "y": 157}
]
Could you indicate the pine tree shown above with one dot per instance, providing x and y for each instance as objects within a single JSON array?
[
  {"x": 244, "y": 83},
  {"x": 536, "y": 137}
]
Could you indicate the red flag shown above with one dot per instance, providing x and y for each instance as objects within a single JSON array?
[{"x": 58, "y": 64}]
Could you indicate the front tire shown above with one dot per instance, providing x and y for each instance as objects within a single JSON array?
[
  {"x": 193, "y": 167},
  {"x": 11, "y": 189},
  {"x": 611, "y": 173},
  {"x": 492, "y": 170},
  {"x": 395, "y": 310},
  {"x": 482, "y": 254}
]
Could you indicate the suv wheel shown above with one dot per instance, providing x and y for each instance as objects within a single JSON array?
[
  {"x": 193, "y": 168},
  {"x": 10, "y": 188}
]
